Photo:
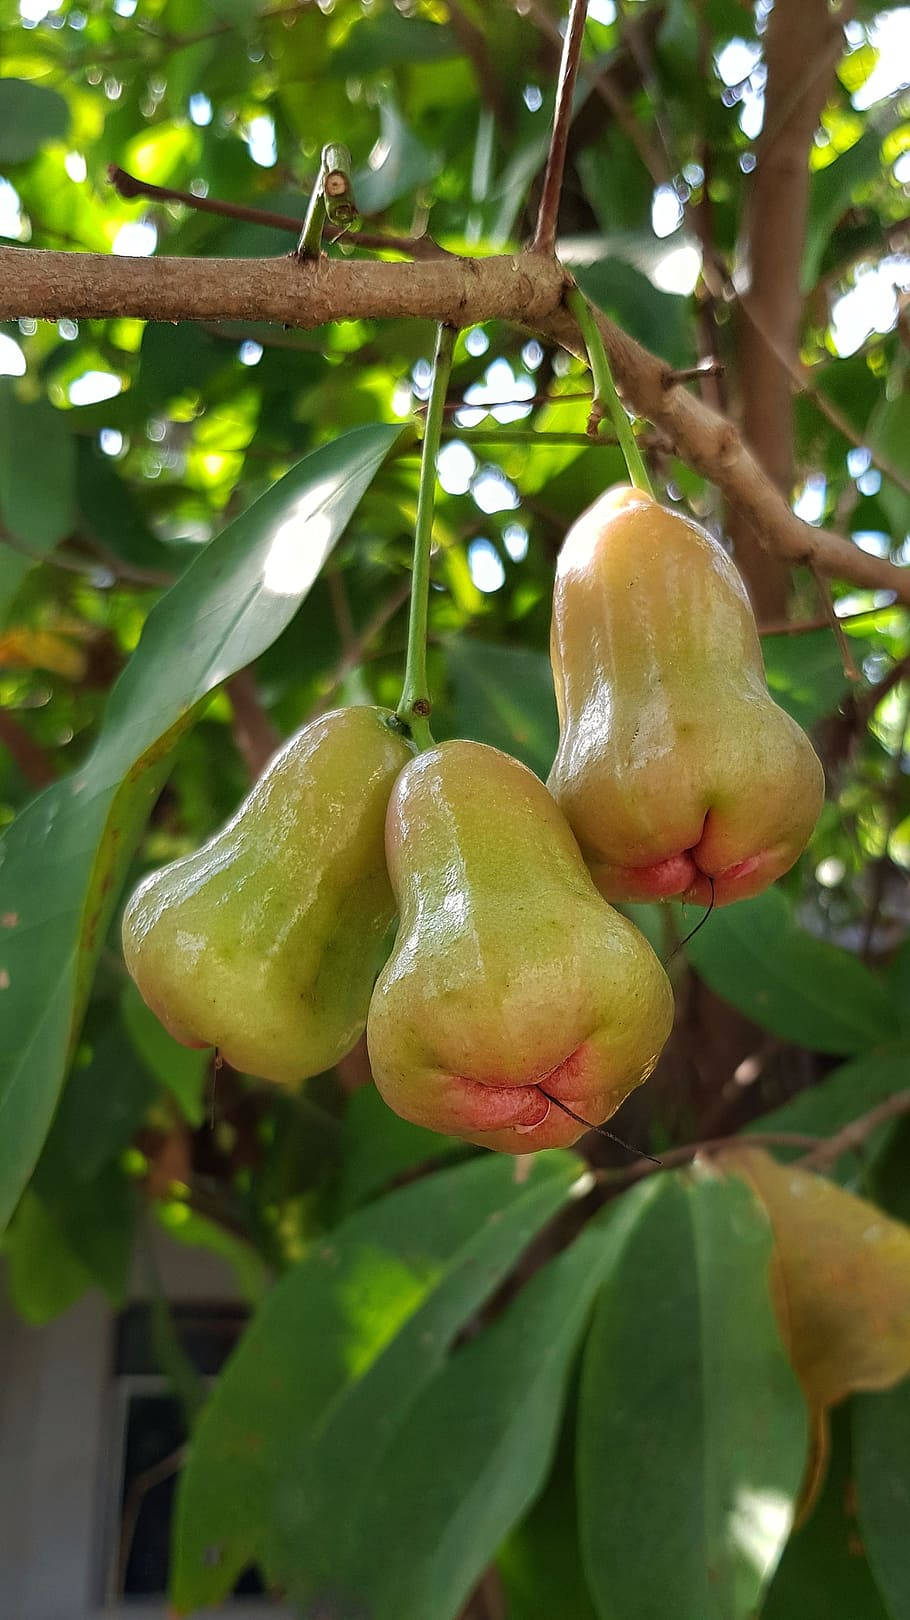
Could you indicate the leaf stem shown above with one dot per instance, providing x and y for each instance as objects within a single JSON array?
[
  {"x": 414, "y": 708},
  {"x": 606, "y": 399}
]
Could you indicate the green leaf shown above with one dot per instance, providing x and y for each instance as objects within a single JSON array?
[
  {"x": 898, "y": 979},
  {"x": 389, "y": 40},
  {"x": 284, "y": 1465},
  {"x": 475, "y": 1448},
  {"x": 68, "y": 1236},
  {"x": 399, "y": 165},
  {"x": 890, "y": 439},
  {"x": 504, "y": 696},
  {"x": 824, "y": 1574},
  {"x": 691, "y": 1425},
  {"x": 881, "y": 1447},
  {"x": 44, "y": 1276},
  {"x": 64, "y": 858},
  {"x": 540, "y": 1563},
  {"x": 755, "y": 956},
  {"x": 661, "y": 321},
  {"x": 830, "y": 194},
  {"x": 13, "y": 569},
  {"x": 377, "y": 1146},
  {"x": 37, "y": 492},
  {"x": 30, "y": 116},
  {"x": 102, "y": 1104},
  {"x": 195, "y": 1231},
  {"x": 183, "y": 1070},
  {"x": 805, "y": 674},
  {"x": 112, "y": 514}
]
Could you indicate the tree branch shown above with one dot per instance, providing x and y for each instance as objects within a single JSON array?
[
  {"x": 545, "y": 234},
  {"x": 526, "y": 289},
  {"x": 255, "y": 736},
  {"x": 802, "y": 44},
  {"x": 854, "y": 1134},
  {"x": 823, "y": 1150},
  {"x": 34, "y": 765},
  {"x": 417, "y": 247}
]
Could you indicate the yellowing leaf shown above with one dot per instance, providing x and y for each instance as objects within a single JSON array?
[
  {"x": 840, "y": 1279},
  {"x": 41, "y": 649}
]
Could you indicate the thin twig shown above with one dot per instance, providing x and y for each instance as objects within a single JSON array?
[
  {"x": 823, "y": 1150},
  {"x": 843, "y": 645},
  {"x": 139, "y": 1487},
  {"x": 548, "y": 212},
  {"x": 801, "y": 378},
  {"x": 715, "y": 1144},
  {"x": 255, "y": 735},
  {"x": 355, "y": 653},
  {"x": 890, "y": 804},
  {"x": 799, "y": 627},
  {"x": 34, "y": 765},
  {"x": 854, "y": 1134},
  {"x": 603, "y": 85},
  {"x": 419, "y": 247}
]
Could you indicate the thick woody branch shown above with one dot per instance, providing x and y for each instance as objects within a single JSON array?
[
  {"x": 803, "y": 41},
  {"x": 524, "y": 288},
  {"x": 459, "y": 292}
]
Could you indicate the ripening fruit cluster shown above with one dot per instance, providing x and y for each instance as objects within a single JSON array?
[{"x": 512, "y": 981}]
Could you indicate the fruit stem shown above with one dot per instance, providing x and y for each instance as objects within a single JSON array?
[
  {"x": 414, "y": 708},
  {"x": 606, "y": 399},
  {"x": 332, "y": 201}
]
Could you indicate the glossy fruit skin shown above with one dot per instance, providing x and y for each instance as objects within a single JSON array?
[
  {"x": 674, "y": 762},
  {"x": 266, "y": 941},
  {"x": 508, "y": 967}
]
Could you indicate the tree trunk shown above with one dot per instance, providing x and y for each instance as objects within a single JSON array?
[{"x": 803, "y": 42}]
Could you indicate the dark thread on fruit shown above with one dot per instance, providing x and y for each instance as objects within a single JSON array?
[
  {"x": 600, "y": 1129},
  {"x": 700, "y": 924},
  {"x": 217, "y": 1066}
]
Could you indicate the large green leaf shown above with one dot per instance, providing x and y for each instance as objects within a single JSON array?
[
  {"x": 183, "y": 1070},
  {"x": 389, "y": 40},
  {"x": 504, "y": 696},
  {"x": 540, "y": 1563},
  {"x": 756, "y": 956},
  {"x": 284, "y": 1466},
  {"x": 30, "y": 116},
  {"x": 103, "y": 1102},
  {"x": 69, "y": 1235},
  {"x": 824, "y": 1574},
  {"x": 377, "y": 1146},
  {"x": 661, "y": 321},
  {"x": 64, "y": 858},
  {"x": 691, "y": 1425},
  {"x": 830, "y": 195},
  {"x": 475, "y": 1448},
  {"x": 37, "y": 491},
  {"x": 399, "y": 164},
  {"x": 805, "y": 674},
  {"x": 881, "y": 1450},
  {"x": 890, "y": 438}
]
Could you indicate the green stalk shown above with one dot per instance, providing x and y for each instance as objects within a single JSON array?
[
  {"x": 332, "y": 201},
  {"x": 605, "y": 393},
  {"x": 414, "y": 708}
]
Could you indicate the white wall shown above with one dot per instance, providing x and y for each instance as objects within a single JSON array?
[{"x": 56, "y": 1406}]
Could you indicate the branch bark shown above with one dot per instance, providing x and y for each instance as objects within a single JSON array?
[
  {"x": 527, "y": 289},
  {"x": 802, "y": 45}
]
